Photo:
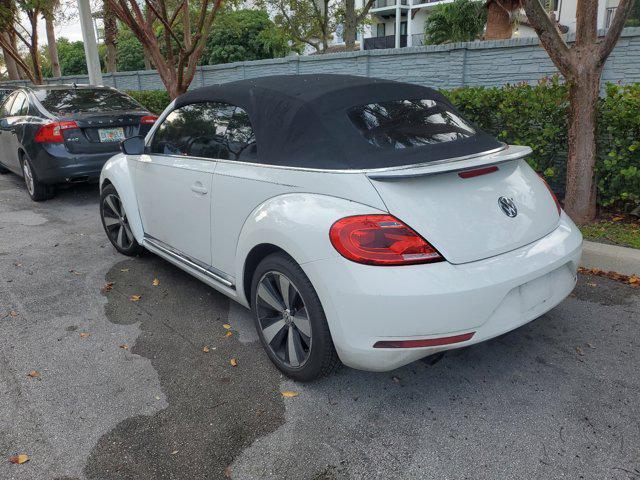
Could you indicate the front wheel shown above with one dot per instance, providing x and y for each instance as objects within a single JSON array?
[
  {"x": 116, "y": 224},
  {"x": 290, "y": 320}
]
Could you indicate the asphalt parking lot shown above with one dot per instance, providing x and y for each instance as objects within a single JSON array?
[{"x": 122, "y": 389}]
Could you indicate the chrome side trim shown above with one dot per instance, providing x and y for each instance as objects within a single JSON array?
[
  {"x": 209, "y": 271},
  {"x": 330, "y": 170}
]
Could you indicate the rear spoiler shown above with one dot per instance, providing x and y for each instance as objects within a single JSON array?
[{"x": 504, "y": 154}]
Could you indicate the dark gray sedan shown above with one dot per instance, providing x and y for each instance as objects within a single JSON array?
[{"x": 64, "y": 134}]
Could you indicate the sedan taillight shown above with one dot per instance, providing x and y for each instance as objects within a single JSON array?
[
  {"x": 380, "y": 240},
  {"x": 148, "y": 120},
  {"x": 52, "y": 132}
]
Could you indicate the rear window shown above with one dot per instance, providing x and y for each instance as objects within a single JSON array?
[
  {"x": 401, "y": 124},
  {"x": 74, "y": 100}
]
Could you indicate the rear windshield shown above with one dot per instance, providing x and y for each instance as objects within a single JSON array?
[
  {"x": 409, "y": 123},
  {"x": 74, "y": 100}
]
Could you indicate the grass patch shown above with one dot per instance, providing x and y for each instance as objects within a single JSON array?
[{"x": 618, "y": 230}]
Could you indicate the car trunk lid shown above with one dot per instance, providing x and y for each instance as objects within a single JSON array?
[
  {"x": 102, "y": 133},
  {"x": 462, "y": 207}
]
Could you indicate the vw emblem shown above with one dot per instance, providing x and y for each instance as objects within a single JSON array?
[{"x": 508, "y": 206}]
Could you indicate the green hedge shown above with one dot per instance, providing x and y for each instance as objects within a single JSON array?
[
  {"x": 536, "y": 115},
  {"x": 154, "y": 100}
]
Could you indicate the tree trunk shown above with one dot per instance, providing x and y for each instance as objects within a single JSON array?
[
  {"x": 10, "y": 63},
  {"x": 53, "y": 48},
  {"x": 580, "y": 198},
  {"x": 350, "y": 26},
  {"x": 110, "y": 35}
]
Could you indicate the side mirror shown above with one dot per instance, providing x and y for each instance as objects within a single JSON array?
[{"x": 132, "y": 145}]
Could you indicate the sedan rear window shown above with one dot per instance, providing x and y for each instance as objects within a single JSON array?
[
  {"x": 409, "y": 123},
  {"x": 73, "y": 100}
]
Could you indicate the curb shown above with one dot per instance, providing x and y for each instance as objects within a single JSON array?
[{"x": 610, "y": 258}]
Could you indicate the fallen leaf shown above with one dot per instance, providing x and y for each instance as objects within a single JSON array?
[
  {"x": 579, "y": 351},
  {"x": 289, "y": 394},
  {"x": 124, "y": 269},
  {"x": 19, "y": 459},
  {"x": 395, "y": 379},
  {"x": 13, "y": 313},
  {"x": 135, "y": 298},
  {"x": 33, "y": 374},
  {"x": 75, "y": 272},
  {"x": 592, "y": 284},
  {"x": 226, "y": 326},
  {"x": 233, "y": 362},
  {"x": 107, "y": 287},
  {"x": 84, "y": 334},
  {"x": 17, "y": 264},
  {"x": 617, "y": 219},
  {"x": 155, "y": 282},
  {"x": 124, "y": 346},
  {"x": 228, "y": 334},
  {"x": 205, "y": 349},
  {"x": 227, "y": 472},
  {"x": 174, "y": 452},
  {"x": 590, "y": 346}
]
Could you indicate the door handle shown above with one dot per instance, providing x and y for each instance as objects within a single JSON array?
[{"x": 199, "y": 188}]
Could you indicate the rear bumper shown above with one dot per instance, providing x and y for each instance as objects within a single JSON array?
[
  {"x": 365, "y": 304},
  {"x": 54, "y": 164}
]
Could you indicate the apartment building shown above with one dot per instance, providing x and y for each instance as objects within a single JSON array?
[{"x": 400, "y": 23}]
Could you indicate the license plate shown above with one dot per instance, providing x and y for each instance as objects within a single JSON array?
[{"x": 111, "y": 134}]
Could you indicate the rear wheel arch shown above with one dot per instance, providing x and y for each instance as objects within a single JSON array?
[{"x": 253, "y": 259}]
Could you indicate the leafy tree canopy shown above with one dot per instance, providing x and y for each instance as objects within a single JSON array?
[
  {"x": 244, "y": 35},
  {"x": 459, "y": 21},
  {"x": 130, "y": 55}
]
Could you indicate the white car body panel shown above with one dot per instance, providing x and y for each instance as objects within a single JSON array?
[
  {"x": 502, "y": 282},
  {"x": 118, "y": 171},
  {"x": 461, "y": 217},
  {"x": 174, "y": 199},
  {"x": 365, "y": 304}
]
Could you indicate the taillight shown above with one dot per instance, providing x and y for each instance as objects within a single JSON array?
[
  {"x": 52, "y": 132},
  {"x": 148, "y": 120},
  {"x": 380, "y": 240},
  {"x": 553, "y": 195}
]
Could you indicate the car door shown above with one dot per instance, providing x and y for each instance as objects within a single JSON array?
[
  {"x": 11, "y": 131},
  {"x": 174, "y": 180},
  {"x": 6, "y": 136}
]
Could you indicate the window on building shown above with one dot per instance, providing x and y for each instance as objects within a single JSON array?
[
  {"x": 380, "y": 30},
  {"x": 403, "y": 28}
]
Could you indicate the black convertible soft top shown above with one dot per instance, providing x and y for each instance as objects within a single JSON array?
[{"x": 302, "y": 120}]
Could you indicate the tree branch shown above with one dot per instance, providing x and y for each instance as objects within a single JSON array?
[
  {"x": 365, "y": 11},
  {"x": 586, "y": 22},
  {"x": 549, "y": 36},
  {"x": 613, "y": 34}
]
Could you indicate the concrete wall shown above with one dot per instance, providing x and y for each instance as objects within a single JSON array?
[{"x": 442, "y": 66}]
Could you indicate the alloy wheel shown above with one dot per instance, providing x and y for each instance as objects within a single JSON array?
[
  {"x": 284, "y": 319},
  {"x": 115, "y": 222},
  {"x": 28, "y": 177}
]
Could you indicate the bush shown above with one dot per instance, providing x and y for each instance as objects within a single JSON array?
[
  {"x": 153, "y": 100},
  {"x": 536, "y": 115}
]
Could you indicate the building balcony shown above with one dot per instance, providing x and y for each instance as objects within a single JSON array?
[
  {"x": 379, "y": 43},
  {"x": 388, "y": 3}
]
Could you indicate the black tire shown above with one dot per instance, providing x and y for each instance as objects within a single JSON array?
[
  {"x": 3, "y": 170},
  {"x": 311, "y": 356},
  {"x": 115, "y": 224},
  {"x": 37, "y": 190}
]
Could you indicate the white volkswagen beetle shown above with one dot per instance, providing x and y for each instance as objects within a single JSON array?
[{"x": 362, "y": 220}]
